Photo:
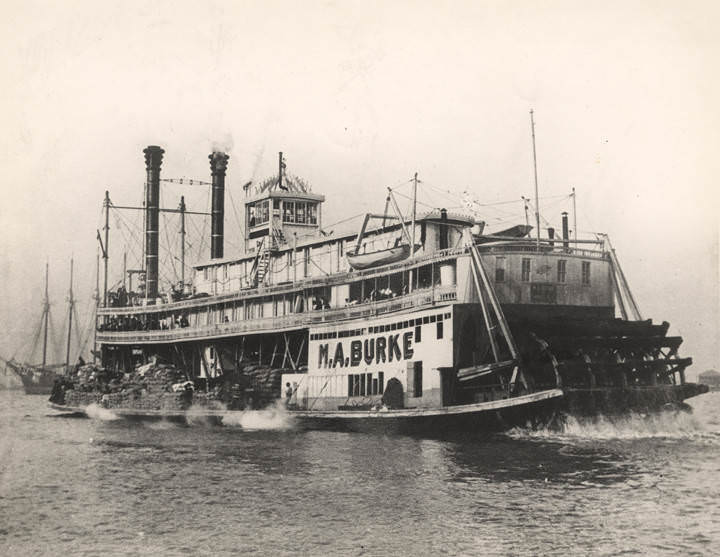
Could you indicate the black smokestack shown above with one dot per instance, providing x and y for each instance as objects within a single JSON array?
[
  {"x": 565, "y": 232},
  {"x": 551, "y": 235},
  {"x": 153, "y": 160},
  {"x": 443, "y": 229},
  {"x": 218, "y": 166}
]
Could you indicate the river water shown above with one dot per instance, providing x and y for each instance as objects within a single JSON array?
[{"x": 105, "y": 486}]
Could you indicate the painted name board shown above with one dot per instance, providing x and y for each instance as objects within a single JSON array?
[{"x": 376, "y": 350}]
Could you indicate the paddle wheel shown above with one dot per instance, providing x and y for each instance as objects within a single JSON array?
[{"x": 606, "y": 365}]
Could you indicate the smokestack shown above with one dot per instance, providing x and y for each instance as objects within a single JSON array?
[
  {"x": 218, "y": 166},
  {"x": 565, "y": 233},
  {"x": 551, "y": 236},
  {"x": 153, "y": 160},
  {"x": 443, "y": 229}
]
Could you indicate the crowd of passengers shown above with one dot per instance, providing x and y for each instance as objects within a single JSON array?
[
  {"x": 154, "y": 323},
  {"x": 122, "y": 298},
  {"x": 150, "y": 323}
]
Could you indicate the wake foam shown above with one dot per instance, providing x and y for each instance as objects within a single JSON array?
[
  {"x": 273, "y": 417},
  {"x": 670, "y": 425},
  {"x": 99, "y": 413}
]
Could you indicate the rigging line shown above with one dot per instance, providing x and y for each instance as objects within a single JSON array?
[
  {"x": 129, "y": 244},
  {"x": 418, "y": 201},
  {"x": 169, "y": 249},
  {"x": 36, "y": 338},
  {"x": 204, "y": 225},
  {"x": 237, "y": 218},
  {"x": 78, "y": 333},
  {"x": 134, "y": 240},
  {"x": 54, "y": 340},
  {"x": 193, "y": 245},
  {"x": 132, "y": 228},
  {"x": 326, "y": 226},
  {"x": 318, "y": 266}
]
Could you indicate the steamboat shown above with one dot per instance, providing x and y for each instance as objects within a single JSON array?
[{"x": 415, "y": 322}]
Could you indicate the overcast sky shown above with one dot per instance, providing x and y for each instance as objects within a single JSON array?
[{"x": 359, "y": 95}]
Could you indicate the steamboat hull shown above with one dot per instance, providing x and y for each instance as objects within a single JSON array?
[
  {"x": 544, "y": 409},
  {"x": 533, "y": 409}
]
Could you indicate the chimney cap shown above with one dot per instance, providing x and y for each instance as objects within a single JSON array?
[
  {"x": 153, "y": 156},
  {"x": 218, "y": 161}
]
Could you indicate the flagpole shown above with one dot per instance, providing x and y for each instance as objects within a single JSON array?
[{"x": 280, "y": 170}]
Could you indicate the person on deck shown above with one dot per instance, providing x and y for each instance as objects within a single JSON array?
[{"x": 288, "y": 394}]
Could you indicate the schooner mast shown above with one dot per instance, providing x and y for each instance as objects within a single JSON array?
[
  {"x": 71, "y": 307},
  {"x": 46, "y": 315}
]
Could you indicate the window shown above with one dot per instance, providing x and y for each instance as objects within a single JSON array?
[
  {"x": 499, "y": 269},
  {"x": 276, "y": 207},
  {"x": 439, "y": 326},
  {"x": 561, "y": 270},
  {"x": 289, "y": 211},
  {"x": 381, "y": 382},
  {"x": 300, "y": 212},
  {"x": 525, "y": 270},
  {"x": 312, "y": 213},
  {"x": 259, "y": 213},
  {"x": 417, "y": 379},
  {"x": 418, "y": 334},
  {"x": 586, "y": 272}
]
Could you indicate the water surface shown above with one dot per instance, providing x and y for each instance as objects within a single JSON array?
[{"x": 648, "y": 486}]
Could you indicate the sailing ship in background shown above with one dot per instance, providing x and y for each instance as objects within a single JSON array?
[
  {"x": 435, "y": 327},
  {"x": 39, "y": 378}
]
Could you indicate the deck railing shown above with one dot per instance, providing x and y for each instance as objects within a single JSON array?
[
  {"x": 286, "y": 288},
  {"x": 414, "y": 300},
  {"x": 543, "y": 249}
]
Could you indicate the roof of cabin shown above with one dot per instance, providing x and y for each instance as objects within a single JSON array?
[
  {"x": 292, "y": 187},
  {"x": 344, "y": 231}
]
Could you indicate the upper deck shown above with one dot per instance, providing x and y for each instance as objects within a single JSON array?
[{"x": 523, "y": 273}]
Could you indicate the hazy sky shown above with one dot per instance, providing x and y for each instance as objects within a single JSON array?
[{"x": 360, "y": 95}]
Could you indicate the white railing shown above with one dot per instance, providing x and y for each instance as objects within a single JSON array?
[
  {"x": 558, "y": 250},
  {"x": 414, "y": 300},
  {"x": 288, "y": 288}
]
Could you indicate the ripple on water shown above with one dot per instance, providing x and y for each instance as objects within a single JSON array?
[{"x": 642, "y": 486}]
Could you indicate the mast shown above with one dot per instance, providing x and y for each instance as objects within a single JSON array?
[
  {"x": 414, "y": 212},
  {"x": 182, "y": 242},
  {"x": 46, "y": 315},
  {"x": 537, "y": 202},
  {"x": 97, "y": 303},
  {"x": 106, "y": 248},
  {"x": 71, "y": 304},
  {"x": 575, "y": 230}
]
